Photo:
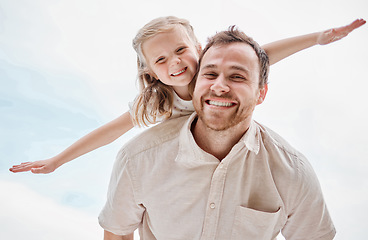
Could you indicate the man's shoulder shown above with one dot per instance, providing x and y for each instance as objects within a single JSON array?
[
  {"x": 155, "y": 136},
  {"x": 286, "y": 157},
  {"x": 273, "y": 140}
]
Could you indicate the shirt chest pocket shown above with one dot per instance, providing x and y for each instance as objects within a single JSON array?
[{"x": 250, "y": 224}]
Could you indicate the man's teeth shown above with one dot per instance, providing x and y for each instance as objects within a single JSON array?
[
  {"x": 176, "y": 74},
  {"x": 220, "y": 104}
]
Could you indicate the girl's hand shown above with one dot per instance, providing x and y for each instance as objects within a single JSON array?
[
  {"x": 42, "y": 166},
  {"x": 335, "y": 34}
]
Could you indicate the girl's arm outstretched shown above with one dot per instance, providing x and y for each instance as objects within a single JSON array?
[
  {"x": 95, "y": 139},
  {"x": 281, "y": 49}
]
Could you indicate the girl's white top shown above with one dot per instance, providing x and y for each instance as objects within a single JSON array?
[{"x": 180, "y": 108}]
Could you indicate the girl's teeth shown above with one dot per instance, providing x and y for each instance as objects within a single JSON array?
[
  {"x": 220, "y": 104},
  {"x": 176, "y": 74}
]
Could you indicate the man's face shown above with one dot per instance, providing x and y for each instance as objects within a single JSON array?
[{"x": 227, "y": 88}]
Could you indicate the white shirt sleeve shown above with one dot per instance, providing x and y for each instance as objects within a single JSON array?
[
  {"x": 122, "y": 213},
  {"x": 309, "y": 217}
]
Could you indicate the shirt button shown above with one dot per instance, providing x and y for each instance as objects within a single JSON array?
[{"x": 212, "y": 205}]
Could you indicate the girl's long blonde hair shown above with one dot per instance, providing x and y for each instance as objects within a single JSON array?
[{"x": 155, "y": 98}]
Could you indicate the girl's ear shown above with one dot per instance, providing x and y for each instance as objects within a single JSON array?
[
  {"x": 148, "y": 71},
  {"x": 199, "y": 48},
  {"x": 262, "y": 94}
]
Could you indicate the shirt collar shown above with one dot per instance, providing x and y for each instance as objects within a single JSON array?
[
  {"x": 251, "y": 138},
  {"x": 192, "y": 155}
]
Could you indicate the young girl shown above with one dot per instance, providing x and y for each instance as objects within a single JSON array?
[{"x": 167, "y": 57}]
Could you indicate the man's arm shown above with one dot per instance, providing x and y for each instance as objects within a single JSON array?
[{"x": 111, "y": 236}]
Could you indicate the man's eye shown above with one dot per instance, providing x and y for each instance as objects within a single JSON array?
[
  {"x": 238, "y": 78},
  {"x": 210, "y": 75}
]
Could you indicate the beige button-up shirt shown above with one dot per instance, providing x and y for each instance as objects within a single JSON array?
[{"x": 169, "y": 188}]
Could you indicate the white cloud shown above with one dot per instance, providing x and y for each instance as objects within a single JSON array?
[{"x": 28, "y": 215}]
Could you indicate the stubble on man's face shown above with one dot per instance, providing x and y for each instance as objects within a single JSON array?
[
  {"x": 218, "y": 120},
  {"x": 227, "y": 90}
]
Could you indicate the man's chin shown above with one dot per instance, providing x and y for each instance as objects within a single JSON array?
[{"x": 217, "y": 123}]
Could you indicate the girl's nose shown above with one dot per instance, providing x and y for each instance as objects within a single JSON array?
[{"x": 175, "y": 60}]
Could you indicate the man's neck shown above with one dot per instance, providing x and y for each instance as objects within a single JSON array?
[{"x": 217, "y": 143}]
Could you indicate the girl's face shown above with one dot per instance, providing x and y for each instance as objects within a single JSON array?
[{"x": 172, "y": 58}]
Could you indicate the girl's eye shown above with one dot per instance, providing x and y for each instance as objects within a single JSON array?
[
  {"x": 160, "y": 60},
  {"x": 181, "y": 49}
]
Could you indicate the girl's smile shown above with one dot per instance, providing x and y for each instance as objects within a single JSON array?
[{"x": 180, "y": 72}]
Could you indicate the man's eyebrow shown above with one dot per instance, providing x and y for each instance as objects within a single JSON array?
[
  {"x": 209, "y": 66},
  {"x": 240, "y": 68},
  {"x": 234, "y": 67}
]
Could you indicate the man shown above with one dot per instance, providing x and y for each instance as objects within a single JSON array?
[{"x": 217, "y": 174}]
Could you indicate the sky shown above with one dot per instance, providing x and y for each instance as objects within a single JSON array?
[{"x": 67, "y": 67}]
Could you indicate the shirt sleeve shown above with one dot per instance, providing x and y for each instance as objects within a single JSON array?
[
  {"x": 309, "y": 218},
  {"x": 132, "y": 110},
  {"x": 122, "y": 214}
]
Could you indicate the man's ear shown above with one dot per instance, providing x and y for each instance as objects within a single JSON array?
[{"x": 262, "y": 94}]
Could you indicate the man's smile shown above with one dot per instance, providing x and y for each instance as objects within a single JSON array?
[{"x": 220, "y": 103}]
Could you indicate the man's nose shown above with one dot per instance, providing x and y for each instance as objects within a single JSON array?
[{"x": 220, "y": 85}]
